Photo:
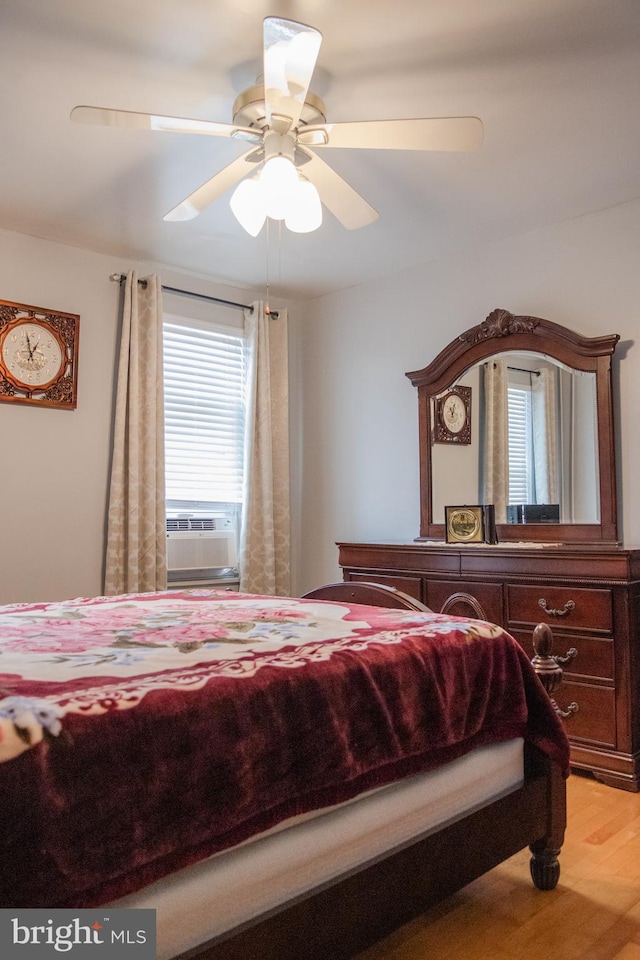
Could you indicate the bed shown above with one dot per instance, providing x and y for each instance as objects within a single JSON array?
[{"x": 210, "y": 755}]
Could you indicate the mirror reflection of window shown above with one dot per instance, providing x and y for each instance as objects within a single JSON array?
[
  {"x": 520, "y": 440},
  {"x": 533, "y": 437},
  {"x": 545, "y": 452},
  {"x": 521, "y": 476},
  {"x": 483, "y": 471}
]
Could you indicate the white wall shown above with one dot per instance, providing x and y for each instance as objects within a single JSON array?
[
  {"x": 54, "y": 463},
  {"x": 354, "y": 413},
  {"x": 359, "y": 412}
]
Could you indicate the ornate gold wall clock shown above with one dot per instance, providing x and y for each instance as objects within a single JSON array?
[
  {"x": 38, "y": 356},
  {"x": 452, "y": 423}
]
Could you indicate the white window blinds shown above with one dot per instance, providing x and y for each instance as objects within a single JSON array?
[
  {"x": 521, "y": 479},
  {"x": 204, "y": 412}
]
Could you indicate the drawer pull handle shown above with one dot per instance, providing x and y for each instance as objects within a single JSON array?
[
  {"x": 571, "y": 654},
  {"x": 568, "y": 607},
  {"x": 572, "y": 708}
]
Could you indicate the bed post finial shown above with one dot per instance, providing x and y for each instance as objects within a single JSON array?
[{"x": 548, "y": 666}]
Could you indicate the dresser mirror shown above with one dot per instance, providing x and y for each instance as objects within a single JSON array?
[{"x": 518, "y": 412}]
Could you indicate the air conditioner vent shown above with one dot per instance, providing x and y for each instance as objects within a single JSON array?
[
  {"x": 198, "y": 524},
  {"x": 174, "y": 525}
]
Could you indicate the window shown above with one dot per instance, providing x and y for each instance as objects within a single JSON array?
[
  {"x": 521, "y": 463},
  {"x": 204, "y": 415}
]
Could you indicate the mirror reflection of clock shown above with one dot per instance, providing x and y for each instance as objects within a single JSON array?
[
  {"x": 454, "y": 413},
  {"x": 32, "y": 355}
]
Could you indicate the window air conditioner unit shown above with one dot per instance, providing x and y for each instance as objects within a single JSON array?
[{"x": 201, "y": 548}]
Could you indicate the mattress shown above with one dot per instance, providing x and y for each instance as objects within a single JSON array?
[{"x": 232, "y": 888}]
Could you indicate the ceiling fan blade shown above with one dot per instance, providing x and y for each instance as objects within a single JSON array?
[
  {"x": 201, "y": 198},
  {"x": 290, "y": 54},
  {"x": 345, "y": 204},
  {"x": 106, "y": 117},
  {"x": 438, "y": 133}
]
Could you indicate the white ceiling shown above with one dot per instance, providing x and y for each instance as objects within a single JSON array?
[{"x": 555, "y": 82}]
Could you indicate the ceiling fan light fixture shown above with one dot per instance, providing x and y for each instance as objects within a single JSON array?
[
  {"x": 286, "y": 195},
  {"x": 279, "y": 183},
  {"x": 248, "y": 205},
  {"x": 305, "y": 214}
]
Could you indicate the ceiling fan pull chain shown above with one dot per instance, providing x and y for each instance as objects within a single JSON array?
[{"x": 267, "y": 308}]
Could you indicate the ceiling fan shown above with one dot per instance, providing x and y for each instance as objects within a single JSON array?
[{"x": 284, "y": 121}]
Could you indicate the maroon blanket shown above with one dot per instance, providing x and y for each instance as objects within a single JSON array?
[{"x": 142, "y": 733}]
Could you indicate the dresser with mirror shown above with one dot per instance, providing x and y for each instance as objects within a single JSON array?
[{"x": 557, "y": 558}]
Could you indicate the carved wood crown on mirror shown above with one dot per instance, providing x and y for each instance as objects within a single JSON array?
[{"x": 504, "y": 333}]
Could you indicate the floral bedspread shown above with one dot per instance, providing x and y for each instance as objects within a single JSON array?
[{"x": 141, "y": 733}]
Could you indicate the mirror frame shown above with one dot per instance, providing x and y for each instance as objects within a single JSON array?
[{"x": 503, "y": 332}]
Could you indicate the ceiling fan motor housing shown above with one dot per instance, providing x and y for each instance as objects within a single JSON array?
[{"x": 250, "y": 110}]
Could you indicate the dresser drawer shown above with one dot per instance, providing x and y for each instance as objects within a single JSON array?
[
  {"x": 410, "y": 585},
  {"x": 594, "y": 658},
  {"x": 595, "y": 718},
  {"x": 573, "y": 608}
]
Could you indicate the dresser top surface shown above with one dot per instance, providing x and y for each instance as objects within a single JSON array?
[
  {"x": 610, "y": 561},
  {"x": 596, "y": 547}
]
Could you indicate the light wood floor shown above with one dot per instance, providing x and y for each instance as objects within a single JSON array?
[{"x": 593, "y": 914}]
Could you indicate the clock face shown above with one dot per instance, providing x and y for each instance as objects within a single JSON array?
[
  {"x": 464, "y": 524},
  {"x": 32, "y": 355},
  {"x": 454, "y": 413}
]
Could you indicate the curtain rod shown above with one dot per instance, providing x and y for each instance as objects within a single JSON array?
[{"x": 121, "y": 277}]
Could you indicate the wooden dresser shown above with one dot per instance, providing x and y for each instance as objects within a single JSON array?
[{"x": 590, "y": 596}]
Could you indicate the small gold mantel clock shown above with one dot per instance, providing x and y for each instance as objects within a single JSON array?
[{"x": 38, "y": 356}]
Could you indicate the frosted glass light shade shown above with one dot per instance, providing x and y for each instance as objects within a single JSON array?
[
  {"x": 279, "y": 182},
  {"x": 278, "y": 192},
  {"x": 305, "y": 215},
  {"x": 248, "y": 206}
]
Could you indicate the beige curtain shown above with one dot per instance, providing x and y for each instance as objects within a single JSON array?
[
  {"x": 495, "y": 467},
  {"x": 545, "y": 436},
  {"x": 265, "y": 565},
  {"x": 136, "y": 526}
]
